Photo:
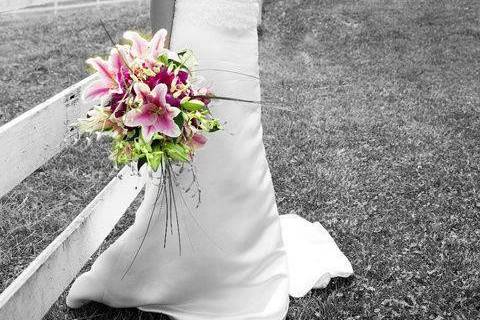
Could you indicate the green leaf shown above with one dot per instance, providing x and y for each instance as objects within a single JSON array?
[
  {"x": 212, "y": 125},
  {"x": 157, "y": 144},
  {"x": 192, "y": 105},
  {"x": 187, "y": 59},
  {"x": 179, "y": 120},
  {"x": 163, "y": 59},
  {"x": 154, "y": 159},
  {"x": 179, "y": 152},
  {"x": 142, "y": 146},
  {"x": 131, "y": 135},
  {"x": 119, "y": 153}
]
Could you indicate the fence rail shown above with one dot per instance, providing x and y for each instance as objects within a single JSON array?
[
  {"x": 38, "y": 287},
  {"x": 41, "y": 5},
  {"x": 11, "y": 5},
  {"x": 47, "y": 127}
]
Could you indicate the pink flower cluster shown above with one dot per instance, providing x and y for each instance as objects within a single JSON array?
[{"x": 146, "y": 94}]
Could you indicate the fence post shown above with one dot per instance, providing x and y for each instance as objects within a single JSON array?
[
  {"x": 260, "y": 6},
  {"x": 55, "y": 7},
  {"x": 161, "y": 16}
]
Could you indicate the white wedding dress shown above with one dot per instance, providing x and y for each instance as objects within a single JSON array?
[{"x": 240, "y": 260}]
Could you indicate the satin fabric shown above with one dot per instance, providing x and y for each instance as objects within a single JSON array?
[{"x": 240, "y": 259}]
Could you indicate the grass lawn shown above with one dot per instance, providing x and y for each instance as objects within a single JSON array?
[{"x": 383, "y": 148}]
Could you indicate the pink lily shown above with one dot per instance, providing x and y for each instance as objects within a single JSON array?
[
  {"x": 147, "y": 50},
  {"x": 194, "y": 139},
  {"x": 155, "y": 115},
  {"x": 110, "y": 76},
  {"x": 198, "y": 141}
]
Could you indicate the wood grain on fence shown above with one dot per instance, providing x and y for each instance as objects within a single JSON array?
[
  {"x": 38, "y": 134},
  {"x": 10, "y": 5},
  {"x": 55, "y": 5}
]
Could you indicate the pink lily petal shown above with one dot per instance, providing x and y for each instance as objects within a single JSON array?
[
  {"x": 172, "y": 110},
  {"x": 167, "y": 126},
  {"x": 117, "y": 89},
  {"x": 147, "y": 116},
  {"x": 198, "y": 140},
  {"x": 118, "y": 84},
  {"x": 130, "y": 118},
  {"x": 155, "y": 115},
  {"x": 148, "y": 132},
  {"x": 157, "y": 43},
  {"x": 125, "y": 53},
  {"x": 139, "y": 45},
  {"x": 96, "y": 90},
  {"x": 115, "y": 61},
  {"x": 102, "y": 67},
  {"x": 158, "y": 94},
  {"x": 141, "y": 90},
  {"x": 144, "y": 117}
]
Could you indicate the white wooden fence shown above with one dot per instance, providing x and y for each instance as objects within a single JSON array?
[
  {"x": 41, "y": 283},
  {"x": 30, "y": 295},
  {"x": 10, "y": 5},
  {"x": 23, "y": 5}
]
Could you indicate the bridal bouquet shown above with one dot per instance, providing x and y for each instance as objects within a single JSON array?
[
  {"x": 150, "y": 104},
  {"x": 155, "y": 111}
]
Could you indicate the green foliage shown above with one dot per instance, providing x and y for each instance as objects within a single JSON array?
[
  {"x": 154, "y": 159},
  {"x": 130, "y": 145},
  {"x": 213, "y": 125},
  {"x": 164, "y": 59},
  {"x": 192, "y": 105},
  {"x": 123, "y": 152},
  {"x": 177, "y": 152},
  {"x": 187, "y": 59},
  {"x": 154, "y": 153},
  {"x": 180, "y": 119}
]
